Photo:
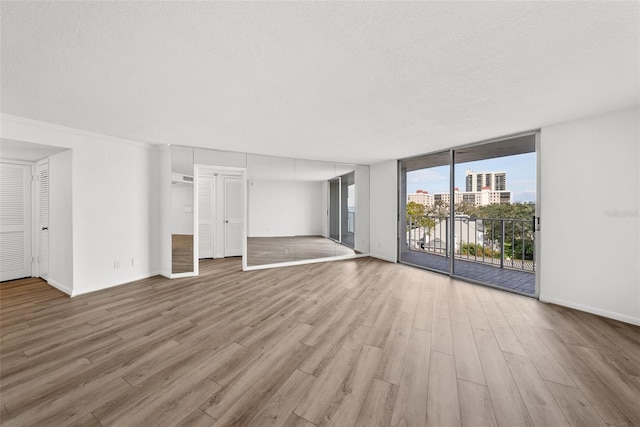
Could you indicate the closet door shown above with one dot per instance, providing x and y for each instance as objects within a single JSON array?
[
  {"x": 233, "y": 218},
  {"x": 15, "y": 221},
  {"x": 206, "y": 216},
  {"x": 43, "y": 219}
]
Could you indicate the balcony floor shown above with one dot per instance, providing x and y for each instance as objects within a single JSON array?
[{"x": 516, "y": 280}]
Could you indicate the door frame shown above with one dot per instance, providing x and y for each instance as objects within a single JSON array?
[
  {"x": 330, "y": 208},
  {"x": 37, "y": 226},
  {"x": 220, "y": 170},
  {"x": 31, "y": 227},
  {"x": 401, "y": 206}
]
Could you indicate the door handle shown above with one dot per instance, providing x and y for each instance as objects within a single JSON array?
[{"x": 45, "y": 228}]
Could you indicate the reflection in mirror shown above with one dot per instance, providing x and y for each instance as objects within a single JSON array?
[
  {"x": 181, "y": 210},
  {"x": 289, "y": 202}
]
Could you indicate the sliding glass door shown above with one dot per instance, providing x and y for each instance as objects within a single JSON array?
[
  {"x": 470, "y": 212},
  {"x": 348, "y": 209},
  {"x": 342, "y": 209},
  {"x": 424, "y": 200},
  {"x": 334, "y": 209}
]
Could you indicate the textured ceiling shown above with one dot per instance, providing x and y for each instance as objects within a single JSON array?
[{"x": 356, "y": 81}]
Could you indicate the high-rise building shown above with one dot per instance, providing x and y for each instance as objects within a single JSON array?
[
  {"x": 475, "y": 181},
  {"x": 486, "y": 188}
]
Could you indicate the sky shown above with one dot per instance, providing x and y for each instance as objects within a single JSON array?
[{"x": 520, "y": 169}]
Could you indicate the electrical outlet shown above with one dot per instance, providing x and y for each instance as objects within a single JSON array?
[
  {"x": 134, "y": 262},
  {"x": 116, "y": 264}
]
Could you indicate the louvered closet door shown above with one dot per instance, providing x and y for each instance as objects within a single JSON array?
[
  {"x": 15, "y": 221},
  {"x": 43, "y": 220},
  {"x": 205, "y": 217},
  {"x": 233, "y": 221}
]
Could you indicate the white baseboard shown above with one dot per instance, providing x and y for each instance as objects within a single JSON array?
[
  {"x": 383, "y": 257},
  {"x": 60, "y": 287},
  {"x": 304, "y": 261},
  {"x": 181, "y": 275},
  {"x": 111, "y": 285},
  {"x": 593, "y": 310}
]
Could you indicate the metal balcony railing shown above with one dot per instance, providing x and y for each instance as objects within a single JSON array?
[
  {"x": 501, "y": 242},
  {"x": 351, "y": 222}
]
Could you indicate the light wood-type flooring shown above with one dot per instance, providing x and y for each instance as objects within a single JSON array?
[
  {"x": 273, "y": 250},
  {"x": 181, "y": 253},
  {"x": 358, "y": 342}
]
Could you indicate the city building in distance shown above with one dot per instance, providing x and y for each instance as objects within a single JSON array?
[
  {"x": 476, "y": 181},
  {"x": 482, "y": 188}
]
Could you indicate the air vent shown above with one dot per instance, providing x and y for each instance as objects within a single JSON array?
[{"x": 180, "y": 178}]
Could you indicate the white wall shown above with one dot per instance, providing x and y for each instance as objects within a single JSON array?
[
  {"x": 61, "y": 221},
  {"x": 163, "y": 175},
  {"x": 232, "y": 159},
  {"x": 155, "y": 204},
  {"x": 363, "y": 209},
  {"x": 590, "y": 198},
  {"x": 286, "y": 208},
  {"x": 111, "y": 182},
  {"x": 384, "y": 201}
]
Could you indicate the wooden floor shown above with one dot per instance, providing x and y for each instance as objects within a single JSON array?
[
  {"x": 357, "y": 342},
  {"x": 181, "y": 253},
  {"x": 274, "y": 250}
]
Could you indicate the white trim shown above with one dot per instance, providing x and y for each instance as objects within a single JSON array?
[
  {"x": 383, "y": 257},
  {"x": 35, "y": 218},
  {"x": 60, "y": 287},
  {"x": 245, "y": 222},
  {"x": 114, "y": 284},
  {"x": 16, "y": 162},
  {"x": 196, "y": 218},
  {"x": 302, "y": 262},
  {"x": 593, "y": 310},
  {"x": 222, "y": 170},
  {"x": 181, "y": 275},
  {"x": 79, "y": 132}
]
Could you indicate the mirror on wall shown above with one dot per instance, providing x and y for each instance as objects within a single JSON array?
[
  {"x": 182, "y": 226},
  {"x": 301, "y": 210}
]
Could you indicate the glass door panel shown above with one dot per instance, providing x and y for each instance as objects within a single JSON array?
[
  {"x": 494, "y": 213},
  {"x": 347, "y": 209},
  {"x": 471, "y": 213},
  {"x": 334, "y": 209},
  {"x": 425, "y": 225}
]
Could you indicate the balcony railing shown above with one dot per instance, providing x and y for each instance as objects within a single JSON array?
[
  {"x": 351, "y": 222},
  {"x": 505, "y": 243}
]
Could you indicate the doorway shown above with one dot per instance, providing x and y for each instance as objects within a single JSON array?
[
  {"x": 219, "y": 211},
  {"x": 15, "y": 221},
  {"x": 342, "y": 209},
  {"x": 471, "y": 212}
]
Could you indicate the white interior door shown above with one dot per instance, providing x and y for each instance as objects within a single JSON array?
[
  {"x": 233, "y": 218},
  {"x": 206, "y": 216},
  {"x": 15, "y": 221},
  {"x": 43, "y": 219}
]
